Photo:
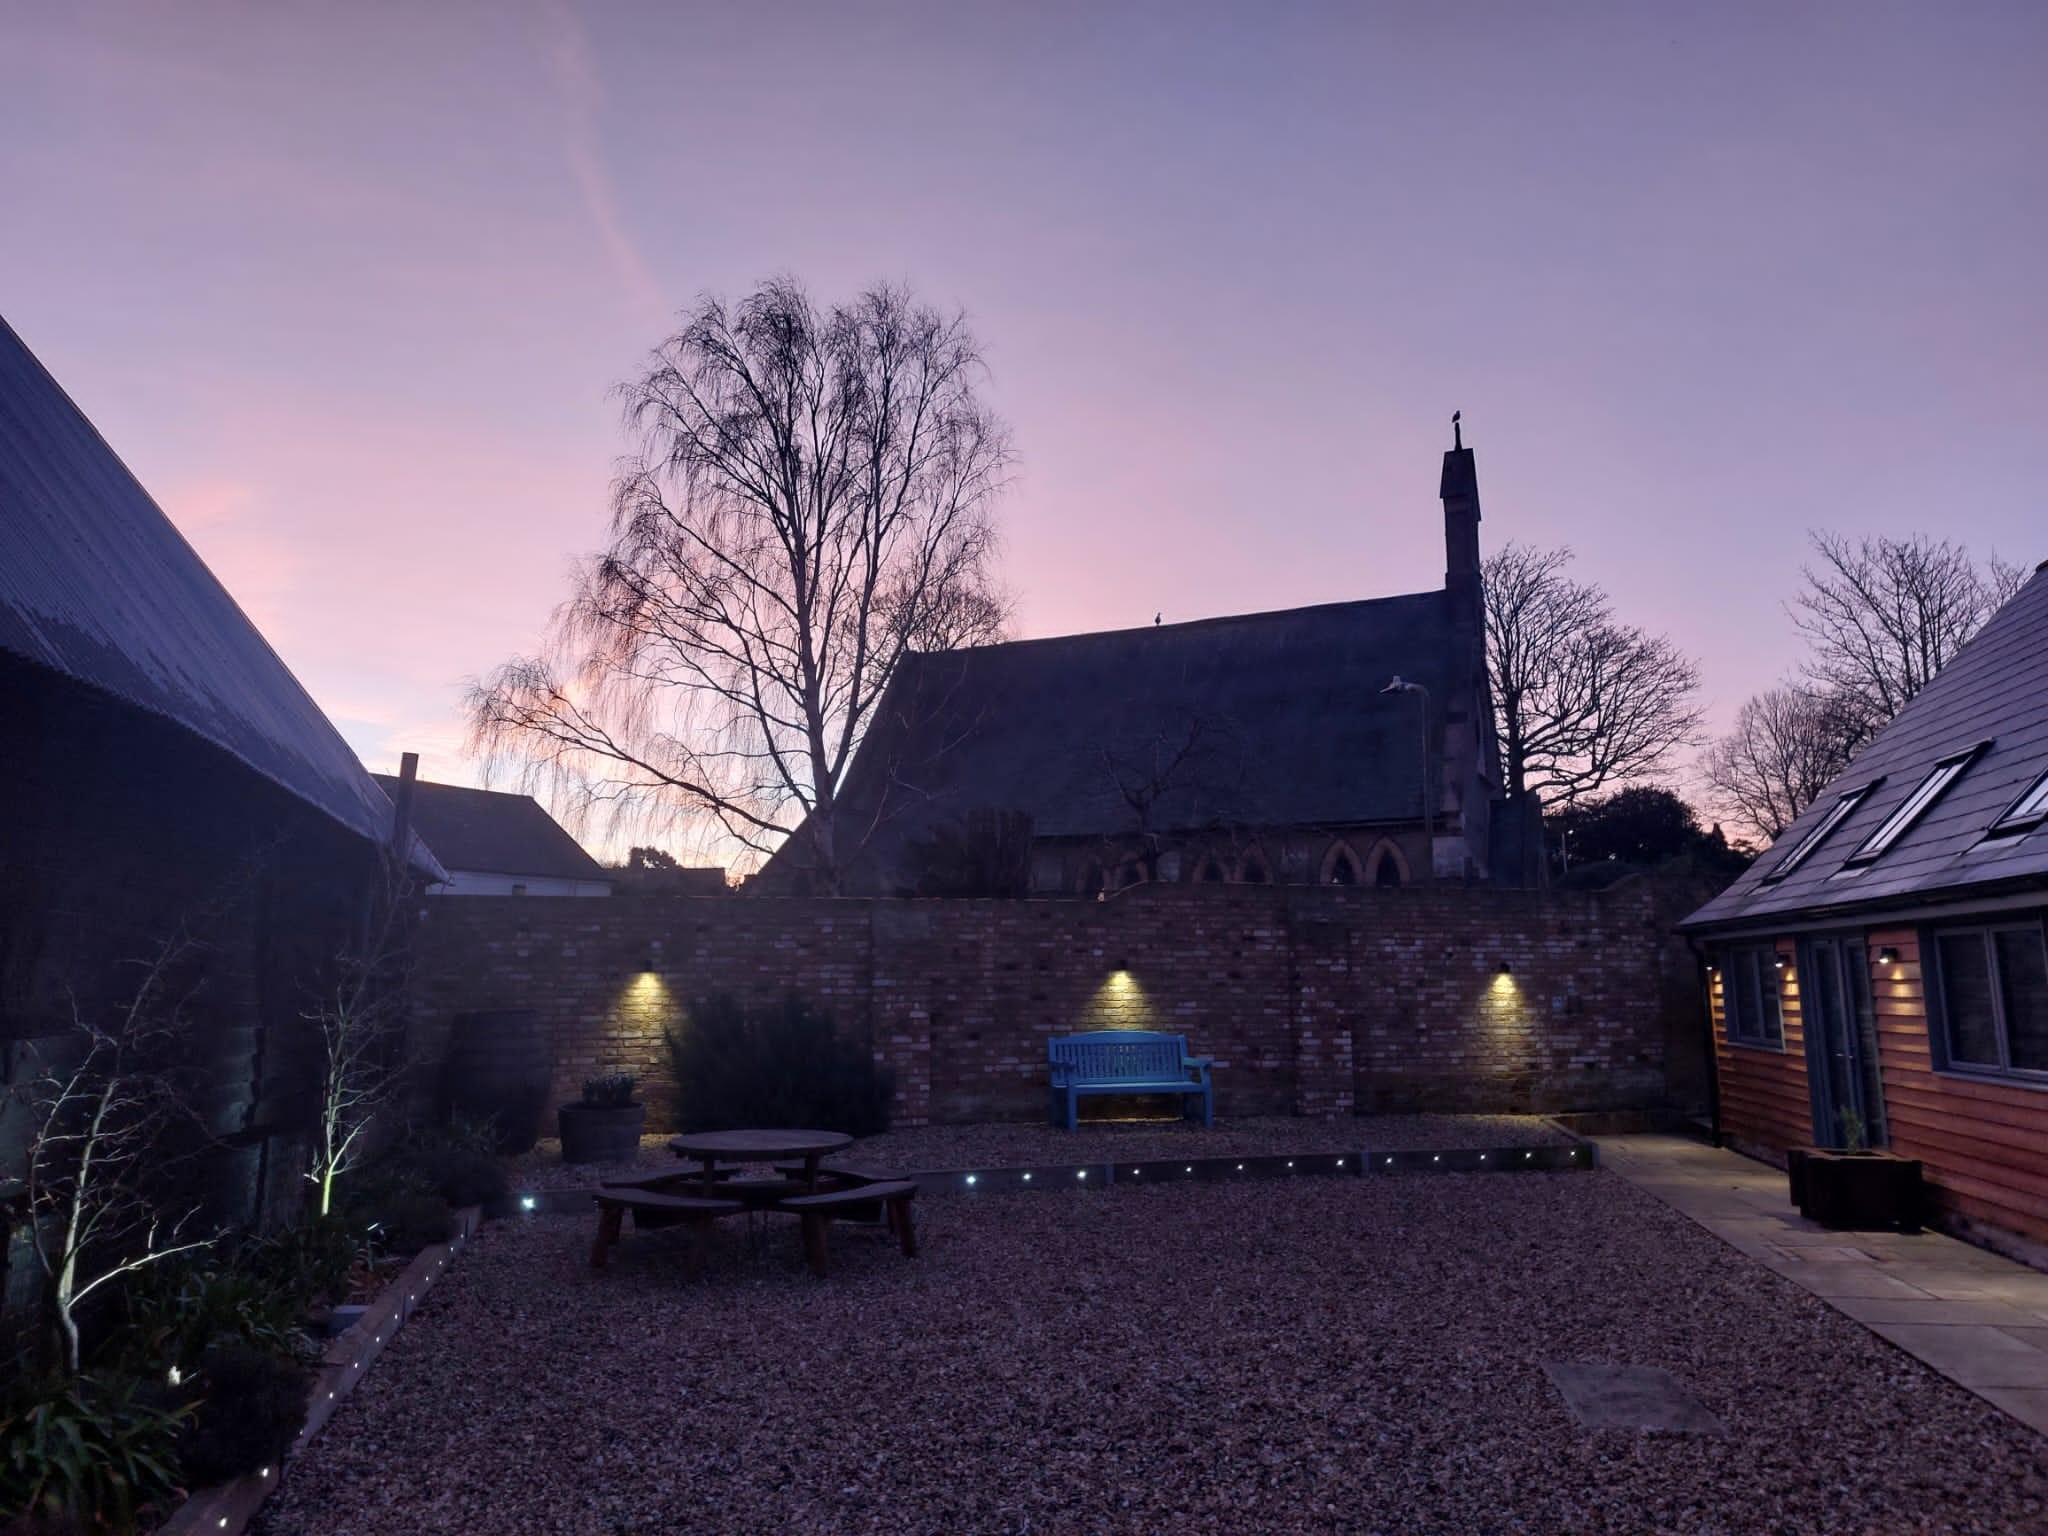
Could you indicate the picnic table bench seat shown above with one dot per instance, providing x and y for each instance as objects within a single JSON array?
[
  {"x": 1126, "y": 1061},
  {"x": 858, "y": 1202},
  {"x": 651, "y": 1208}
]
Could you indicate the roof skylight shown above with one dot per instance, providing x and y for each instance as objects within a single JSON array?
[
  {"x": 2025, "y": 813},
  {"x": 1834, "y": 818},
  {"x": 1915, "y": 805}
]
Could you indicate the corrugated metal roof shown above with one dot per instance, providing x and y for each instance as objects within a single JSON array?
[
  {"x": 1994, "y": 691},
  {"x": 96, "y": 583},
  {"x": 491, "y": 832}
]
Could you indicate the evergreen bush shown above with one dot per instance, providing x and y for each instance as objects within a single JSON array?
[{"x": 738, "y": 1068}]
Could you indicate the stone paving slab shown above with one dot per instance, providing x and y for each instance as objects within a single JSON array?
[
  {"x": 1630, "y": 1397},
  {"x": 1976, "y": 1317}
]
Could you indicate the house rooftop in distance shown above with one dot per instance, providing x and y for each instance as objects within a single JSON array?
[
  {"x": 498, "y": 844},
  {"x": 1948, "y": 802}
]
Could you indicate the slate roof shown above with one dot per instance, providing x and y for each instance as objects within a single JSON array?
[
  {"x": 97, "y": 584},
  {"x": 1281, "y": 715},
  {"x": 1995, "y": 690},
  {"x": 491, "y": 832}
]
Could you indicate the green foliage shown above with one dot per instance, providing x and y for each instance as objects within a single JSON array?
[
  {"x": 737, "y": 1067},
  {"x": 251, "y": 1407},
  {"x": 413, "y": 1219},
  {"x": 462, "y": 1177},
  {"x": 614, "y": 1090},
  {"x": 179, "y": 1309},
  {"x": 95, "y": 1450},
  {"x": 310, "y": 1261}
]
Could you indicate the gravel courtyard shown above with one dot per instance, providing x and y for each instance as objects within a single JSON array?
[{"x": 1304, "y": 1356}]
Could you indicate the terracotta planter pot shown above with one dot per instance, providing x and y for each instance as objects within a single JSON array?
[
  {"x": 1856, "y": 1191},
  {"x": 593, "y": 1133}
]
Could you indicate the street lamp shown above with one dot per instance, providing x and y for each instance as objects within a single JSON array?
[{"x": 1402, "y": 685}]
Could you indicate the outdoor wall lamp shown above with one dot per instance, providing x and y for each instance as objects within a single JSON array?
[
  {"x": 1505, "y": 969},
  {"x": 1779, "y": 960},
  {"x": 1889, "y": 955}
]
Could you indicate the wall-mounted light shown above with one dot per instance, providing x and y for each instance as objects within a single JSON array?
[
  {"x": 1889, "y": 955},
  {"x": 1506, "y": 969},
  {"x": 1780, "y": 960}
]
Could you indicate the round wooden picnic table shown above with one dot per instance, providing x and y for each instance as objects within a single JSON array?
[{"x": 759, "y": 1147}]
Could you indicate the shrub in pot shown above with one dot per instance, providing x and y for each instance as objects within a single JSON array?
[{"x": 604, "y": 1125}]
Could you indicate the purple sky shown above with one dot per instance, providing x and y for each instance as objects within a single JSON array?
[{"x": 347, "y": 287}]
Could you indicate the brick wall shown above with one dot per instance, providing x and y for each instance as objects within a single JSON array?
[{"x": 1312, "y": 1000}]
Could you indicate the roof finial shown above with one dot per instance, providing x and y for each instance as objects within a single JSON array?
[{"x": 1457, "y": 432}]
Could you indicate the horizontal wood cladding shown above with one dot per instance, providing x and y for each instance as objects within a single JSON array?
[
  {"x": 1984, "y": 1143},
  {"x": 1763, "y": 1092}
]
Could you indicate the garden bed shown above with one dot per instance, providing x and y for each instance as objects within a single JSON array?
[{"x": 1330, "y": 1355}]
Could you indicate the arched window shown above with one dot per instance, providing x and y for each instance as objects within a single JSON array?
[
  {"x": 1210, "y": 871},
  {"x": 1340, "y": 866},
  {"x": 1253, "y": 869},
  {"x": 1388, "y": 865},
  {"x": 1090, "y": 883},
  {"x": 1131, "y": 872}
]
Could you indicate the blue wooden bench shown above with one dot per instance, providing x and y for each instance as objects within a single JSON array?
[{"x": 1125, "y": 1061}]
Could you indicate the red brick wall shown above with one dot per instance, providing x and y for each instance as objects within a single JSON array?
[{"x": 1312, "y": 1000}]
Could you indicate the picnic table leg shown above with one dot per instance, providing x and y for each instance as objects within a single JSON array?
[
  {"x": 710, "y": 1182},
  {"x": 811, "y": 1161},
  {"x": 814, "y": 1241},
  {"x": 608, "y": 1219},
  {"x": 905, "y": 1232}
]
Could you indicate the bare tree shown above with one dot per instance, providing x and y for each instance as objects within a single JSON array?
[
  {"x": 1581, "y": 701},
  {"x": 96, "y": 1144},
  {"x": 809, "y": 499},
  {"x": 1883, "y": 615},
  {"x": 1787, "y": 745},
  {"x": 361, "y": 1019}
]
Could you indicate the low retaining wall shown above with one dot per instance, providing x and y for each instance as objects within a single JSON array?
[{"x": 1313, "y": 1000}]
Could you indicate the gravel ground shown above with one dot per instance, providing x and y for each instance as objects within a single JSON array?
[
  {"x": 1013, "y": 1144},
  {"x": 1358, "y": 1356}
]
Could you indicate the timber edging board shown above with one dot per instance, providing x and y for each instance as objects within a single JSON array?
[
  {"x": 1581, "y": 1156},
  {"x": 231, "y": 1506}
]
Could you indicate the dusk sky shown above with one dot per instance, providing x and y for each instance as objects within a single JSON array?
[{"x": 347, "y": 286}]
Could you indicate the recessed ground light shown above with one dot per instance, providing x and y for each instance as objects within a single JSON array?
[
  {"x": 1340, "y": 1162},
  {"x": 1027, "y": 1178},
  {"x": 1240, "y": 1167},
  {"x": 970, "y": 1178},
  {"x": 1436, "y": 1157},
  {"x": 1390, "y": 1162},
  {"x": 1136, "y": 1171},
  {"x": 1290, "y": 1164},
  {"x": 527, "y": 1202},
  {"x": 1191, "y": 1167},
  {"x": 1081, "y": 1174}
]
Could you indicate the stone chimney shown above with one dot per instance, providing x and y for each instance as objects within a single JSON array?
[{"x": 1459, "y": 489}]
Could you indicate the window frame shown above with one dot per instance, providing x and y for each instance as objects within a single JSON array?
[
  {"x": 1939, "y": 780},
  {"x": 1843, "y": 809},
  {"x": 2016, "y": 820},
  {"x": 1938, "y": 1015},
  {"x": 1765, "y": 971}
]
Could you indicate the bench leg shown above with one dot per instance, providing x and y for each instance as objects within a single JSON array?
[
  {"x": 814, "y": 1242},
  {"x": 608, "y": 1219},
  {"x": 906, "y": 1232}
]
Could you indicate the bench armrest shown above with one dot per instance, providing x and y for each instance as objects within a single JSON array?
[{"x": 1204, "y": 1062}]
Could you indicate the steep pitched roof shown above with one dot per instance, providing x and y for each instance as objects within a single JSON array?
[
  {"x": 1994, "y": 691},
  {"x": 1265, "y": 719},
  {"x": 491, "y": 832},
  {"x": 97, "y": 584}
]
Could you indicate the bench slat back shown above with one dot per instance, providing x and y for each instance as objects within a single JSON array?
[{"x": 1121, "y": 1055}]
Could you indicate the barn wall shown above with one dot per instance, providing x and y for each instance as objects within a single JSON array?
[
  {"x": 122, "y": 833},
  {"x": 1312, "y": 1000}
]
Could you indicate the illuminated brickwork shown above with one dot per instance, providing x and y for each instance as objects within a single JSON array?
[{"x": 1313, "y": 1001}]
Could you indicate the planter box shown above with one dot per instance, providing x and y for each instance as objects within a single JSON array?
[
  {"x": 600, "y": 1133},
  {"x": 1856, "y": 1191}
]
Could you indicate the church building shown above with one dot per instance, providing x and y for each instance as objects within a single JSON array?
[{"x": 1341, "y": 744}]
